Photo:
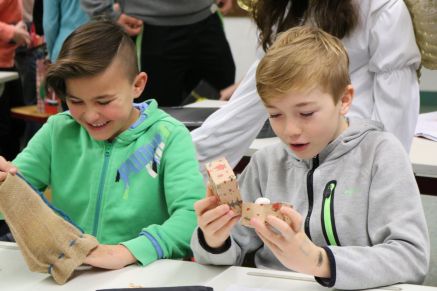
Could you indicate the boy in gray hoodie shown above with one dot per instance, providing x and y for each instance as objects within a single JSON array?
[{"x": 357, "y": 221}]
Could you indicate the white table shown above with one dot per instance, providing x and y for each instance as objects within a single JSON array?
[
  {"x": 423, "y": 155},
  {"x": 5, "y": 77},
  {"x": 15, "y": 276},
  {"x": 240, "y": 278}
]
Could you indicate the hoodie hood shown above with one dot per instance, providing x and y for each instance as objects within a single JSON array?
[
  {"x": 150, "y": 115},
  {"x": 346, "y": 141}
]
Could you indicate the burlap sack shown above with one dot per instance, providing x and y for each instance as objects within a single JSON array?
[
  {"x": 48, "y": 242},
  {"x": 424, "y": 16}
]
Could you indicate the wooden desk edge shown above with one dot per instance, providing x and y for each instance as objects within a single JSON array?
[{"x": 29, "y": 113}]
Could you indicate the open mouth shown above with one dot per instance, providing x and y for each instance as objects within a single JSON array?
[
  {"x": 98, "y": 125},
  {"x": 298, "y": 146}
]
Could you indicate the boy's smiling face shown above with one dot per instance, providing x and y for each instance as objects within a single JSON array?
[
  {"x": 102, "y": 104},
  {"x": 308, "y": 122}
]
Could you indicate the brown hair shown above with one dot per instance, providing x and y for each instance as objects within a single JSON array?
[
  {"x": 302, "y": 59},
  {"x": 90, "y": 50},
  {"x": 337, "y": 17}
]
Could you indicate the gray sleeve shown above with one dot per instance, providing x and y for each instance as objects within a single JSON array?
[
  {"x": 243, "y": 240},
  {"x": 397, "y": 230},
  {"x": 95, "y": 8}
]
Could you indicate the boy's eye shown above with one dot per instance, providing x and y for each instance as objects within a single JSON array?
[
  {"x": 74, "y": 101},
  {"x": 306, "y": 114},
  {"x": 103, "y": 102},
  {"x": 276, "y": 115}
]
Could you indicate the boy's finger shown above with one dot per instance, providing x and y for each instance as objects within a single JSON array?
[
  {"x": 215, "y": 214},
  {"x": 222, "y": 223},
  {"x": 225, "y": 230},
  {"x": 204, "y": 205},
  {"x": 7, "y": 167},
  {"x": 295, "y": 217},
  {"x": 281, "y": 226}
]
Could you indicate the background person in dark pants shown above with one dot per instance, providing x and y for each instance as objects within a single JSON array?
[{"x": 182, "y": 42}]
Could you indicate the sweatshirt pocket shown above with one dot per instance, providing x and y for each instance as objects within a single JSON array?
[{"x": 328, "y": 220}]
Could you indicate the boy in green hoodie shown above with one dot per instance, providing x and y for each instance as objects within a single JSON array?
[{"x": 126, "y": 173}]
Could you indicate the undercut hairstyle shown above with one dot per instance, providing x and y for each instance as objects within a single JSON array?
[
  {"x": 337, "y": 17},
  {"x": 89, "y": 51},
  {"x": 302, "y": 59}
]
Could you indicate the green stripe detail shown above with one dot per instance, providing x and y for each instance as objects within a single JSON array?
[
  {"x": 138, "y": 42},
  {"x": 327, "y": 218}
]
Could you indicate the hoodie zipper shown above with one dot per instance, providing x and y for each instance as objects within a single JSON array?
[
  {"x": 328, "y": 221},
  {"x": 310, "y": 191},
  {"x": 108, "y": 149}
]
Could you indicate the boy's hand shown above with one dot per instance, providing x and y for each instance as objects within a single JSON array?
[
  {"x": 291, "y": 245},
  {"x": 131, "y": 25},
  {"x": 5, "y": 168},
  {"x": 110, "y": 257},
  {"x": 215, "y": 221}
]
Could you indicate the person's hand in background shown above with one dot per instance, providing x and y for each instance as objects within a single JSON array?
[
  {"x": 21, "y": 35},
  {"x": 225, "y": 6},
  {"x": 130, "y": 24}
]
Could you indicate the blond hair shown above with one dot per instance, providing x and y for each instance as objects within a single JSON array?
[{"x": 301, "y": 59}]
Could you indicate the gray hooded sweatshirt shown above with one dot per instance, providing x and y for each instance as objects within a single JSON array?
[
  {"x": 155, "y": 12},
  {"x": 358, "y": 199}
]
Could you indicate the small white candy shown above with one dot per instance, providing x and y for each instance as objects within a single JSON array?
[{"x": 262, "y": 200}]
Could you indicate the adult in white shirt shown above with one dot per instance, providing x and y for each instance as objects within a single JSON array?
[{"x": 383, "y": 57}]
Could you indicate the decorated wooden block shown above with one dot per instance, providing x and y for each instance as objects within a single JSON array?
[
  {"x": 224, "y": 184},
  {"x": 250, "y": 209}
]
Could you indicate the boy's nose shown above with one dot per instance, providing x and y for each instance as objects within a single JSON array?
[
  {"x": 292, "y": 129},
  {"x": 91, "y": 116}
]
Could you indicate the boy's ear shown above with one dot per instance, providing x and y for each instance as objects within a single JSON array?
[
  {"x": 346, "y": 99},
  {"x": 139, "y": 84}
]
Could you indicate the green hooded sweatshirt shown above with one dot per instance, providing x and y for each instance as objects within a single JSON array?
[{"x": 137, "y": 190}]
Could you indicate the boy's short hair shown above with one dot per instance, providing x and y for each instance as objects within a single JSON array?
[
  {"x": 90, "y": 50},
  {"x": 301, "y": 59}
]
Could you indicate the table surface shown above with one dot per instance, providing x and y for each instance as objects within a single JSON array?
[
  {"x": 29, "y": 112},
  {"x": 8, "y": 76},
  {"x": 15, "y": 276}
]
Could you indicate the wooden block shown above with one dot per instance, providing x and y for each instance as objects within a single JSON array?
[
  {"x": 261, "y": 211},
  {"x": 224, "y": 184}
]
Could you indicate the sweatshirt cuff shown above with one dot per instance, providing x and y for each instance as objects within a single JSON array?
[
  {"x": 143, "y": 249},
  {"x": 209, "y": 249},
  {"x": 329, "y": 282}
]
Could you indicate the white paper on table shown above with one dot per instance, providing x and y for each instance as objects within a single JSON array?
[{"x": 427, "y": 126}]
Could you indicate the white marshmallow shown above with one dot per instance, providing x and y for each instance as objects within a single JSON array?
[{"x": 262, "y": 200}]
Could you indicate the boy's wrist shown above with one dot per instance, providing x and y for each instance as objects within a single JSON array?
[
  {"x": 214, "y": 250},
  {"x": 322, "y": 267}
]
